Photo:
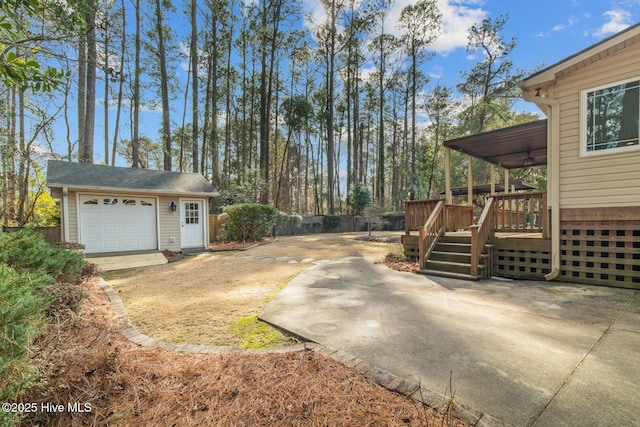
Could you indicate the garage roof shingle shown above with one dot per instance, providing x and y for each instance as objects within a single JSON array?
[{"x": 90, "y": 176}]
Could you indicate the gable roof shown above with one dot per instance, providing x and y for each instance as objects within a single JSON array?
[
  {"x": 596, "y": 52},
  {"x": 89, "y": 176}
]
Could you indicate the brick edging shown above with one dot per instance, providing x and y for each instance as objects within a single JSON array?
[{"x": 135, "y": 336}]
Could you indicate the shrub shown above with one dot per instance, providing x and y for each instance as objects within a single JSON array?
[
  {"x": 359, "y": 198},
  {"x": 26, "y": 250},
  {"x": 33, "y": 274},
  {"x": 250, "y": 222},
  {"x": 331, "y": 222}
]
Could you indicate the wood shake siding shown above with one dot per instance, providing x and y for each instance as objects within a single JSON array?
[
  {"x": 169, "y": 223},
  {"x": 606, "y": 180}
]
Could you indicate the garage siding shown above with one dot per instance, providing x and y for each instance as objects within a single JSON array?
[
  {"x": 169, "y": 223},
  {"x": 73, "y": 216}
]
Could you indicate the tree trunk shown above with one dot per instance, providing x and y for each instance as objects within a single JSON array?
[
  {"x": 135, "y": 144},
  {"x": 194, "y": 91},
  {"x": 123, "y": 48},
  {"x": 164, "y": 90},
  {"x": 90, "y": 103}
]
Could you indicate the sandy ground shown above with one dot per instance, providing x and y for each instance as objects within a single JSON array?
[{"x": 197, "y": 299}]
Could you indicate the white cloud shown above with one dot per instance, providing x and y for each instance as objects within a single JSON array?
[
  {"x": 457, "y": 17},
  {"x": 617, "y": 20},
  {"x": 570, "y": 22}
]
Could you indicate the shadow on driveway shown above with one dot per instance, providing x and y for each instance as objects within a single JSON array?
[{"x": 529, "y": 353}]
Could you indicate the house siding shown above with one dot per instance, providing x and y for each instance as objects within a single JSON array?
[{"x": 608, "y": 180}]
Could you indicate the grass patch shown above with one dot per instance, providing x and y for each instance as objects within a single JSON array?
[{"x": 255, "y": 334}]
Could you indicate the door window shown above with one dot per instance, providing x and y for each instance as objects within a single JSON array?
[{"x": 191, "y": 213}]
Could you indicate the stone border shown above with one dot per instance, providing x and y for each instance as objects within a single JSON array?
[{"x": 407, "y": 387}]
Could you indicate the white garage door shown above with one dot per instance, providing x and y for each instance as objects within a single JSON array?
[{"x": 117, "y": 223}]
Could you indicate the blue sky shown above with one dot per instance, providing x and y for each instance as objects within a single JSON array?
[{"x": 547, "y": 31}]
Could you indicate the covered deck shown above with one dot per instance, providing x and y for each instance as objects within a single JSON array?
[{"x": 510, "y": 237}]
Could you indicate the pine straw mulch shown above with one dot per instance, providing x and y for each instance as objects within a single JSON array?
[
  {"x": 401, "y": 263},
  {"x": 84, "y": 358}
]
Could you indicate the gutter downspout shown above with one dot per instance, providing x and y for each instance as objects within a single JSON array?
[{"x": 553, "y": 160}]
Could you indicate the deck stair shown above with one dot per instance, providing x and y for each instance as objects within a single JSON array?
[{"x": 451, "y": 257}]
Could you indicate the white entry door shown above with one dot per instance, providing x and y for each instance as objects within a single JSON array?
[{"x": 191, "y": 223}]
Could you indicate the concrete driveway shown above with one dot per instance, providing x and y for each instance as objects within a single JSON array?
[{"x": 525, "y": 352}]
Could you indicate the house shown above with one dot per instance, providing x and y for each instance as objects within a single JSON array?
[
  {"x": 591, "y": 101},
  {"x": 115, "y": 209},
  {"x": 586, "y": 227}
]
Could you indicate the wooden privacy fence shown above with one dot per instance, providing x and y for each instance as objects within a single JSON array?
[{"x": 51, "y": 234}]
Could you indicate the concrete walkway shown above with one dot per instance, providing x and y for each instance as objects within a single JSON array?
[
  {"x": 121, "y": 262},
  {"x": 525, "y": 352}
]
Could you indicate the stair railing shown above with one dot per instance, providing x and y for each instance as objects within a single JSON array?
[
  {"x": 480, "y": 234},
  {"x": 416, "y": 212},
  {"x": 430, "y": 232}
]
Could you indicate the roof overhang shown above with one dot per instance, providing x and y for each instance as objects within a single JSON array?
[
  {"x": 514, "y": 147},
  {"x": 123, "y": 190},
  {"x": 607, "y": 47},
  {"x": 486, "y": 188}
]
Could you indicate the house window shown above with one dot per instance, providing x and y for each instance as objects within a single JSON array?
[{"x": 611, "y": 118}]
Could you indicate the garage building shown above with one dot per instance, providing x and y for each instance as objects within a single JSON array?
[{"x": 115, "y": 209}]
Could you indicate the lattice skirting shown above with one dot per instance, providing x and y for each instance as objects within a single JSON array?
[
  {"x": 601, "y": 246},
  {"x": 522, "y": 258}
]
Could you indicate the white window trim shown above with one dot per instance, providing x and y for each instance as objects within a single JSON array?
[{"x": 583, "y": 124}]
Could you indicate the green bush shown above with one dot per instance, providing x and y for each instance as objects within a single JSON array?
[
  {"x": 359, "y": 198},
  {"x": 250, "y": 222},
  {"x": 22, "y": 309},
  {"x": 26, "y": 250},
  {"x": 331, "y": 222},
  {"x": 33, "y": 274}
]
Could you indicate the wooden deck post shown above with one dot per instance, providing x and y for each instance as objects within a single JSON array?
[
  {"x": 469, "y": 180},
  {"x": 506, "y": 181},
  {"x": 447, "y": 175},
  {"x": 493, "y": 179},
  {"x": 474, "y": 250}
]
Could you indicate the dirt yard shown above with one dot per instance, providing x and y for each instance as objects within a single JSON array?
[{"x": 208, "y": 299}]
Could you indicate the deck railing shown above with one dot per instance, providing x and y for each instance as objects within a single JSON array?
[
  {"x": 521, "y": 212},
  {"x": 429, "y": 233},
  {"x": 459, "y": 217},
  {"x": 416, "y": 213},
  {"x": 480, "y": 234}
]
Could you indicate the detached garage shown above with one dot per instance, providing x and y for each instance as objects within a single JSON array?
[{"x": 113, "y": 209}]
